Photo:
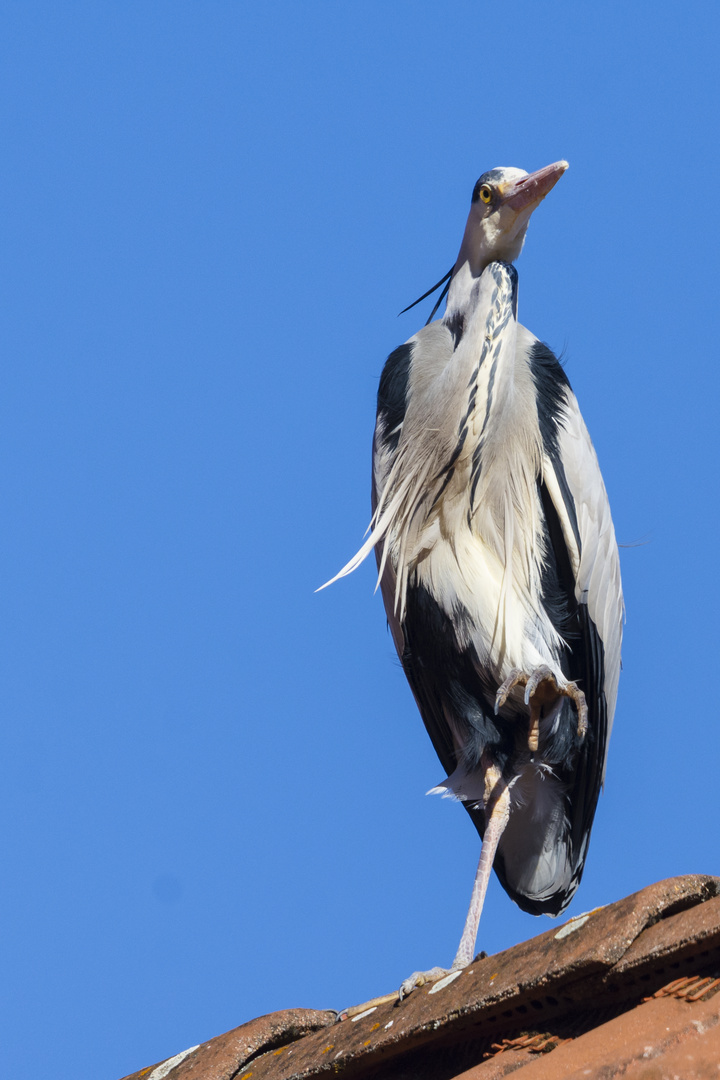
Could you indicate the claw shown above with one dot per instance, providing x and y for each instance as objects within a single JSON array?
[
  {"x": 533, "y": 684},
  {"x": 419, "y": 978},
  {"x": 515, "y": 677},
  {"x": 582, "y": 711},
  {"x": 539, "y": 675}
]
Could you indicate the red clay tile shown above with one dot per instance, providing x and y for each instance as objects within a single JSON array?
[
  {"x": 533, "y": 978},
  {"x": 650, "y": 1042},
  {"x": 576, "y": 974},
  {"x": 695, "y": 930},
  {"x": 637, "y": 1040},
  {"x": 222, "y": 1057}
]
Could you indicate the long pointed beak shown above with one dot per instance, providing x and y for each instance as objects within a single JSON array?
[{"x": 532, "y": 189}]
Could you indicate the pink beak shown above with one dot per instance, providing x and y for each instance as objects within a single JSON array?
[{"x": 532, "y": 189}]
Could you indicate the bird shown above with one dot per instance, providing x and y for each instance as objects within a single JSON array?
[{"x": 498, "y": 565}]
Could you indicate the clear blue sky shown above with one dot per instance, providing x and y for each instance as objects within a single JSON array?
[{"x": 212, "y": 801}]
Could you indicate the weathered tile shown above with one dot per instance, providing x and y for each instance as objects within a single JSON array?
[
  {"x": 221, "y": 1058},
  {"x": 554, "y": 975},
  {"x": 512, "y": 986},
  {"x": 642, "y": 1044},
  {"x": 696, "y": 930}
]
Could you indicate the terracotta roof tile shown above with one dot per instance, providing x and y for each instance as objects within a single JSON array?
[
  {"x": 641, "y": 1043},
  {"x": 223, "y": 1057},
  {"x": 575, "y": 992}
]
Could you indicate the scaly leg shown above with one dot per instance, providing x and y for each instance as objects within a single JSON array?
[
  {"x": 497, "y": 804},
  {"x": 541, "y": 689}
]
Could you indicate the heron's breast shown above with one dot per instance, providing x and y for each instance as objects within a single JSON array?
[{"x": 500, "y": 618}]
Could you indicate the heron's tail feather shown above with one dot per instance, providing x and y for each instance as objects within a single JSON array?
[{"x": 536, "y": 861}]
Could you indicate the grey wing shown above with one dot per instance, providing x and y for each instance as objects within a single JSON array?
[
  {"x": 427, "y": 351},
  {"x": 581, "y": 531},
  {"x": 583, "y": 596},
  {"x": 582, "y": 574},
  {"x": 391, "y": 406},
  {"x": 575, "y": 486}
]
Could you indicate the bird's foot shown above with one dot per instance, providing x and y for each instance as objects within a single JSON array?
[
  {"x": 419, "y": 978},
  {"x": 542, "y": 688}
]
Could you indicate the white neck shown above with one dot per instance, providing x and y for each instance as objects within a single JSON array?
[
  {"x": 462, "y": 284},
  {"x": 480, "y": 246}
]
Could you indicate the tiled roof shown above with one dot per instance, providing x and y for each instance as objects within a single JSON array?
[{"x": 630, "y": 989}]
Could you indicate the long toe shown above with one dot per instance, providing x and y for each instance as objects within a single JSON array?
[
  {"x": 540, "y": 675},
  {"x": 514, "y": 679},
  {"x": 582, "y": 709},
  {"x": 419, "y": 978}
]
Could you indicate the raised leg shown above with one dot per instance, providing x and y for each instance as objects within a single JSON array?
[{"x": 541, "y": 689}]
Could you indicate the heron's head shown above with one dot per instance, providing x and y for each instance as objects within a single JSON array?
[{"x": 502, "y": 202}]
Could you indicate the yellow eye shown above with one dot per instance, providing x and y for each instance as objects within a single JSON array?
[{"x": 486, "y": 193}]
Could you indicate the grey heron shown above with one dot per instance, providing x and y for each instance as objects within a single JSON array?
[{"x": 498, "y": 565}]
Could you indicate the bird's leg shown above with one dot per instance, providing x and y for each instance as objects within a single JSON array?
[
  {"x": 497, "y": 810},
  {"x": 541, "y": 689}
]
